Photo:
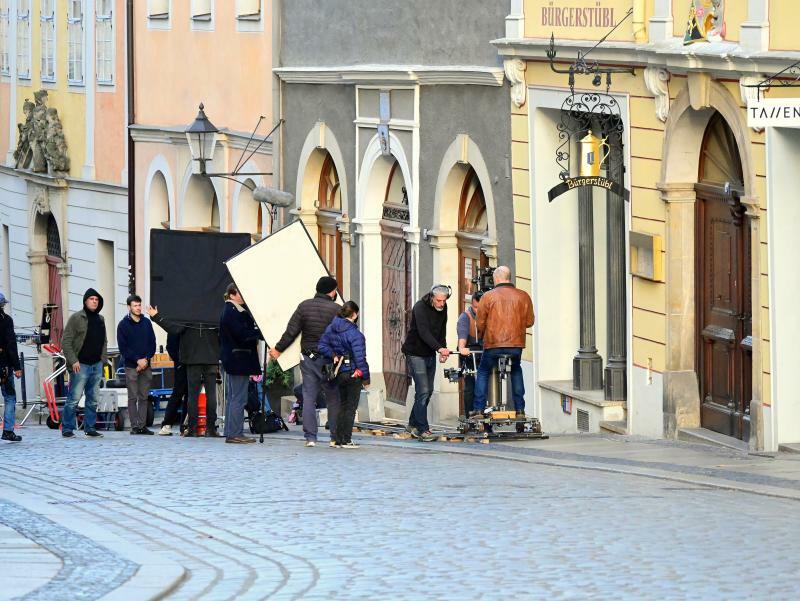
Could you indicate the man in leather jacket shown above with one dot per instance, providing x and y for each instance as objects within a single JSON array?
[{"x": 504, "y": 316}]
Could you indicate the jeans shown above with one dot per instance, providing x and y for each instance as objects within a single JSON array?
[
  {"x": 177, "y": 401},
  {"x": 469, "y": 383},
  {"x": 87, "y": 379},
  {"x": 349, "y": 393},
  {"x": 489, "y": 362},
  {"x": 423, "y": 371},
  {"x": 236, "y": 388},
  {"x": 198, "y": 376},
  {"x": 138, "y": 383},
  {"x": 313, "y": 380},
  {"x": 10, "y": 401}
]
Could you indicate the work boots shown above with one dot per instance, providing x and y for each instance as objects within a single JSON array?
[{"x": 10, "y": 436}]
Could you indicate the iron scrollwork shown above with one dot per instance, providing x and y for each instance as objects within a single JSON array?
[{"x": 786, "y": 78}]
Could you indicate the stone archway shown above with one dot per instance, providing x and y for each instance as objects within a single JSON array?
[
  {"x": 385, "y": 184},
  {"x": 200, "y": 207},
  {"x": 689, "y": 117}
]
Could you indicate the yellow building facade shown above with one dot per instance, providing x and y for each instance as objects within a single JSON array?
[{"x": 702, "y": 351}]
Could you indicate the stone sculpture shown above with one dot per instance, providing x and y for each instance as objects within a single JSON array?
[{"x": 42, "y": 147}]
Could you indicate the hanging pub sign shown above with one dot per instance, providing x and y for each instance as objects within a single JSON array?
[
  {"x": 706, "y": 22},
  {"x": 592, "y": 156},
  {"x": 774, "y": 112},
  {"x": 577, "y": 19}
]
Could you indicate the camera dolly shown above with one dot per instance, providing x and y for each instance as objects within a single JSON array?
[{"x": 495, "y": 422}]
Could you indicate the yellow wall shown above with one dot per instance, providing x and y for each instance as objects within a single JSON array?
[
  {"x": 783, "y": 25},
  {"x": 581, "y": 19}
]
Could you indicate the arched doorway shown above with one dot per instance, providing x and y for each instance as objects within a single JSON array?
[
  {"x": 249, "y": 216},
  {"x": 54, "y": 260},
  {"x": 472, "y": 231},
  {"x": 329, "y": 211},
  {"x": 396, "y": 284},
  {"x": 724, "y": 295}
]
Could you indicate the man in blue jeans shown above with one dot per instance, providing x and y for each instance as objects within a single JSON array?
[
  {"x": 504, "y": 316},
  {"x": 84, "y": 346},
  {"x": 9, "y": 369},
  {"x": 425, "y": 339}
]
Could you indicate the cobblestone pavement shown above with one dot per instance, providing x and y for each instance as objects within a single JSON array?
[{"x": 393, "y": 520}]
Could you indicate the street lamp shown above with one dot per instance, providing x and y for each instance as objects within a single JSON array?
[{"x": 202, "y": 137}]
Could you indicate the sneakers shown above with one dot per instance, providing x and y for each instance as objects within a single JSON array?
[
  {"x": 68, "y": 434},
  {"x": 239, "y": 440},
  {"x": 189, "y": 433},
  {"x": 413, "y": 431},
  {"x": 351, "y": 445},
  {"x": 165, "y": 430},
  {"x": 311, "y": 443},
  {"x": 334, "y": 445},
  {"x": 93, "y": 434},
  {"x": 10, "y": 436},
  {"x": 427, "y": 436}
]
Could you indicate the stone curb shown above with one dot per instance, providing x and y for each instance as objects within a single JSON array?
[{"x": 155, "y": 577}]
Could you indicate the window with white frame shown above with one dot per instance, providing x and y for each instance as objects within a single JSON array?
[
  {"x": 48, "y": 39},
  {"x": 249, "y": 10},
  {"x": 5, "y": 18},
  {"x": 75, "y": 30},
  {"x": 201, "y": 10},
  {"x": 24, "y": 39},
  {"x": 104, "y": 36},
  {"x": 158, "y": 9}
]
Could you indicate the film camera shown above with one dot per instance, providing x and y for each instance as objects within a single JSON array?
[
  {"x": 454, "y": 374},
  {"x": 483, "y": 280}
]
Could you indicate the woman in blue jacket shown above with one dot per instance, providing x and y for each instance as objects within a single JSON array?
[
  {"x": 343, "y": 341},
  {"x": 238, "y": 346}
]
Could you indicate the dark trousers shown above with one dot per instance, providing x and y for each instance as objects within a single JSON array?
[
  {"x": 138, "y": 384},
  {"x": 349, "y": 393},
  {"x": 197, "y": 376},
  {"x": 313, "y": 381},
  {"x": 423, "y": 372},
  {"x": 469, "y": 384},
  {"x": 177, "y": 401}
]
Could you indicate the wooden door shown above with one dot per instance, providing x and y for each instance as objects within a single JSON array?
[
  {"x": 724, "y": 295},
  {"x": 396, "y": 312}
]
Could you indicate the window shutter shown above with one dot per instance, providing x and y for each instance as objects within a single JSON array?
[
  {"x": 248, "y": 9},
  {"x": 158, "y": 9}
]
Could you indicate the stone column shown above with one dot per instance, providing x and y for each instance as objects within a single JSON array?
[
  {"x": 616, "y": 367},
  {"x": 587, "y": 366}
]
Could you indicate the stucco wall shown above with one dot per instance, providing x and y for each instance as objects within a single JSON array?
[{"x": 357, "y": 32}]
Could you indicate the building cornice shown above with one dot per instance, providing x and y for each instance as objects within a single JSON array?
[
  {"x": 177, "y": 135},
  {"x": 393, "y": 74},
  {"x": 42, "y": 179},
  {"x": 718, "y": 58}
]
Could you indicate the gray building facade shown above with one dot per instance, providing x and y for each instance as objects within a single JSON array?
[{"x": 396, "y": 146}]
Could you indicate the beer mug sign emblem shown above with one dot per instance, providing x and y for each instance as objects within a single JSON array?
[{"x": 591, "y": 158}]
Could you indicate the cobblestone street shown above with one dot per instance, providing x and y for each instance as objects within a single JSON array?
[{"x": 202, "y": 519}]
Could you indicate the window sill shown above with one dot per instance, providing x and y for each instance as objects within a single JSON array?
[
  {"x": 250, "y": 18},
  {"x": 202, "y": 18}
]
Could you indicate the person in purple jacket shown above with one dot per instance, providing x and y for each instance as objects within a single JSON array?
[{"x": 343, "y": 341}]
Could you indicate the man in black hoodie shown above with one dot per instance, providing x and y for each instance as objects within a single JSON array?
[
  {"x": 425, "y": 338},
  {"x": 84, "y": 345},
  {"x": 9, "y": 362}
]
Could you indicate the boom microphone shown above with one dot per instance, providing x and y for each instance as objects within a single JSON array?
[{"x": 273, "y": 196}]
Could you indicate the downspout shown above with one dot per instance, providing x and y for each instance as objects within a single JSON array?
[
  {"x": 639, "y": 22},
  {"x": 131, "y": 154}
]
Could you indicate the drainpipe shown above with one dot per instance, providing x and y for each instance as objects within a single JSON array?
[
  {"x": 131, "y": 157},
  {"x": 639, "y": 27}
]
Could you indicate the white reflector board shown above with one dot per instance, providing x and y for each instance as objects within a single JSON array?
[{"x": 274, "y": 276}]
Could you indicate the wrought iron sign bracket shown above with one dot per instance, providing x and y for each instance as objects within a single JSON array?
[
  {"x": 786, "y": 78},
  {"x": 583, "y": 67}
]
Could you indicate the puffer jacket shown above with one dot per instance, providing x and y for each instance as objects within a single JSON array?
[
  {"x": 343, "y": 337},
  {"x": 504, "y": 315},
  {"x": 309, "y": 321}
]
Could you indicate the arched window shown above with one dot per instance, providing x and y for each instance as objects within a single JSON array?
[
  {"x": 472, "y": 229},
  {"x": 329, "y": 210},
  {"x": 53, "y": 238},
  {"x": 54, "y": 261}
]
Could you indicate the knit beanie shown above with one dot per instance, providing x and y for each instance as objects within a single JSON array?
[{"x": 326, "y": 285}]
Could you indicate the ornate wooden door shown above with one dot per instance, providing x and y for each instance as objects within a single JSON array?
[
  {"x": 396, "y": 311},
  {"x": 724, "y": 295}
]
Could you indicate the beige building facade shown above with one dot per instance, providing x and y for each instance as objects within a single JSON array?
[{"x": 709, "y": 332}]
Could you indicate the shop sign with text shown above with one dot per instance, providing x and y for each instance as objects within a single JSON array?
[
  {"x": 576, "y": 19},
  {"x": 582, "y": 182},
  {"x": 774, "y": 112}
]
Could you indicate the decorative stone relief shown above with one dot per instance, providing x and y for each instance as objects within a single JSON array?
[
  {"x": 699, "y": 90},
  {"x": 515, "y": 73},
  {"x": 657, "y": 81},
  {"x": 41, "y": 202},
  {"x": 41, "y": 147},
  {"x": 750, "y": 94}
]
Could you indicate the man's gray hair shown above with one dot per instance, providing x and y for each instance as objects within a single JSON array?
[
  {"x": 440, "y": 290},
  {"x": 502, "y": 274}
]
